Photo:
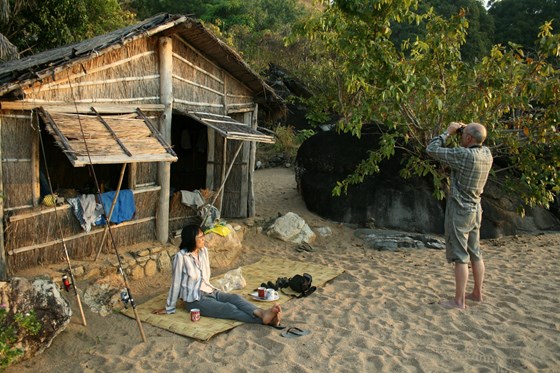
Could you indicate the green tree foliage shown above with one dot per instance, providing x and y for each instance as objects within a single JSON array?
[
  {"x": 148, "y": 8},
  {"x": 481, "y": 26},
  {"x": 412, "y": 92},
  {"x": 256, "y": 28},
  {"x": 36, "y": 25},
  {"x": 518, "y": 21}
]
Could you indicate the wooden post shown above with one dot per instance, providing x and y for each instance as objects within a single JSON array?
[
  {"x": 3, "y": 264},
  {"x": 251, "y": 171},
  {"x": 164, "y": 168},
  {"x": 132, "y": 170},
  {"x": 244, "y": 166},
  {"x": 223, "y": 178},
  {"x": 35, "y": 164}
]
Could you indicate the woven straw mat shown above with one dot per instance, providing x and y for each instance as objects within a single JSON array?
[{"x": 267, "y": 269}]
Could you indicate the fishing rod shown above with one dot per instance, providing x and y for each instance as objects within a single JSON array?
[
  {"x": 72, "y": 283},
  {"x": 126, "y": 294}
]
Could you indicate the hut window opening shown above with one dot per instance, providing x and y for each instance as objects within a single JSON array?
[{"x": 69, "y": 181}]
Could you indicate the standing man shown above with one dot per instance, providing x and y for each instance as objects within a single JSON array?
[{"x": 470, "y": 164}]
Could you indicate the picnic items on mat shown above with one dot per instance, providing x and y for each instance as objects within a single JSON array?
[{"x": 301, "y": 284}]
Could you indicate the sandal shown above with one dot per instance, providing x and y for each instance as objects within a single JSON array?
[{"x": 294, "y": 332}]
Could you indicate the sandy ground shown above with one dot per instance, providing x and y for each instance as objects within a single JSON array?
[{"x": 381, "y": 315}]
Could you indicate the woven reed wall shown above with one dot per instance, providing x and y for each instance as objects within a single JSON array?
[
  {"x": 83, "y": 247},
  {"x": 238, "y": 95},
  {"x": 41, "y": 229},
  {"x": 146, "y": 173},
  {"x": 232, "y": 190},
  {"x": 146, "y": 204},
  {"x": 123, "y": 73},
  {"x": 181, "y": 215},
  {"x": 17, "y": 134},
  {"x": 203, "y": 85}
]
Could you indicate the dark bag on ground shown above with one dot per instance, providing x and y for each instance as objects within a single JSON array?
[
  {"x": 302, "y": 284},
  {"x": 299, "y": 283}
]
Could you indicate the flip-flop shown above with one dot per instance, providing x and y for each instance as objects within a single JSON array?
[
  {"x": 278, "y": 326},
  {"x": 294, "y": 332},
  {"x": 305, "y": 247}
]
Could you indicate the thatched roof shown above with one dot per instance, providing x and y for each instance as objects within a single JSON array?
[{"x": 20, "y": 73}]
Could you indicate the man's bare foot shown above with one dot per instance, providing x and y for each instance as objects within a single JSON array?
[
  {"x": 474, "y": 298},
  {"x": 452, "y": 304}
]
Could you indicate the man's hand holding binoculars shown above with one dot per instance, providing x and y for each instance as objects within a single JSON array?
[{"x": 455, "y": 128}]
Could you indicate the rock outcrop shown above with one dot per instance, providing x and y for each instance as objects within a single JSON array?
[
  {"x": 41, "y": 297},
  {"x": 385, "y": 200}
]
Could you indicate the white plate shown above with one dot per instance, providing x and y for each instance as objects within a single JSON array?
[{"x": 255, "y": 296}]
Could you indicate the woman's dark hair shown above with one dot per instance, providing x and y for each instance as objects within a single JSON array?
[{"x": 188, "y": 237}]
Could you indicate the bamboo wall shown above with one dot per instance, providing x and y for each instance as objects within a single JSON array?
[
  {"x": 124, "y": 75},
  {"x": 17, "y": 158},
  {"x": 36, "y": 238},
  {"x": 201, "y": 85}
]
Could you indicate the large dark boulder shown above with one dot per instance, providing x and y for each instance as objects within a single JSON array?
[{"x": 385, "y": 200}]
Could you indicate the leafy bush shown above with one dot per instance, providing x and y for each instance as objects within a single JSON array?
[
  {"x": 288, "y": 141},
  {"x": 12, "y": 329}
]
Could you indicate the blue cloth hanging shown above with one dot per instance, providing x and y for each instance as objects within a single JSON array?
[{"x": 124, "y": 206}]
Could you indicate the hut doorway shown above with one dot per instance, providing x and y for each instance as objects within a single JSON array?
[{"x": 190, "y": 142}]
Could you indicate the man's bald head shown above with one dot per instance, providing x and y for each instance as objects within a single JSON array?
[{"x": 477, "y": 131}]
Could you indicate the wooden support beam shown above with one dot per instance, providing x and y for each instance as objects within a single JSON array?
[
  {"x": 113, "y": 134},
  {"x": 49, "y": 121},
  {"x": 76, "y": 236},
  {"x": 66, "y": 107},
  {"x": 165, "y": 45},
  {"x": 156, "y": 134}
]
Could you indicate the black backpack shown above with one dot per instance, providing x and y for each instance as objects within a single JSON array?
[
  {"x": 302, "y": 284},
  {"x": 299, "y": 283}
]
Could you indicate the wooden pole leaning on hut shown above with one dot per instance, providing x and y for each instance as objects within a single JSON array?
[
  {"x": 224, "y": 179},
  {"x": 66, "y": 256},
  {"x": 114, "y": 202}
]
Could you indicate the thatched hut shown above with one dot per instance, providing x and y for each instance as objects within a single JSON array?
[{"x": 154, "y": 108}]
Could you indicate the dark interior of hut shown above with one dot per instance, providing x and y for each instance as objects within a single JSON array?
[
  {"x": 68, "y": 180},
  {"x": 190, "y": 143}
]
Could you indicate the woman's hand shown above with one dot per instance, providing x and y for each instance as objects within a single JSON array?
[{"x": 160, "y": 311}]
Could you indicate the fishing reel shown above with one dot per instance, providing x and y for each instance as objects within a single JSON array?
[
  {"x": 125, "y": 298},
  {"x": 66, "y": 282}
]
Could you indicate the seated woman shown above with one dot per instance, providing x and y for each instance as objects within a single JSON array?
[{"x": 191, "y": 282}]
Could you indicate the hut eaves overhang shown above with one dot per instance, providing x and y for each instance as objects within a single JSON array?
[
  {"x": 228, "y": 127},
  {"x": 107, "y": 139},
  {"x": 21, "y": 73}
]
